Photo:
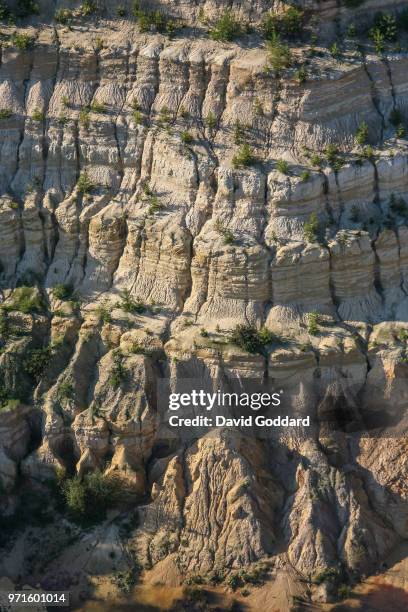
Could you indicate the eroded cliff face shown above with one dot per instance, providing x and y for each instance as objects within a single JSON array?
[{"x": 116, "y": 176}]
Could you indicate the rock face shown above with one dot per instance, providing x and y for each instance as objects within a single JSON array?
[{"x": 133, "y": 243}]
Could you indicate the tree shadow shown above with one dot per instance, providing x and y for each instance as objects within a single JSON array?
[{"x": 382, "y": 597}]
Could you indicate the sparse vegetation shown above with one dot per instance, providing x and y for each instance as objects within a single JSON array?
[
  {"x": 211, "y": 121},
  {"x": 305, "y": 176},
  {"x": 330, "y": 574},
  {"x": 289, "y": 23},
  {"x": 226, "y": 28},
  {"x": 283, "y": 166},
  {"x": 25, "y": 299},
  {"x": 125, "y": 581},
  {"x": 37, "y": 361},
  {"x": 6, "y": 113},
  {"x": 228, "y": 236},
  {"x": 313, "y": 323},
  {"x": 118, "y": 372},
  {"x": 63, "y": 16},
  {"x": 362, "y": 134},
  {"x": 152, "y": 20},
  {"x": 279, "y": 55},
  {"x": 104, "y": 314},
  {"x": 186, "y": 137},
  {"x": 65, "y": 390},
  {"x": 311, "y": 228},
  {"x": 21, "y": 41},
  {"x": 37, "y": 115},
  {"x": 137, "y": 349},
  {"x": 88, "y": 8},
  {"x": 62, "y": 292},
  {"x": 84, "y": 117},
  {"x": 251, "y": 339},
  {"x": 367, "y": 153},
  {"x": 244, "y": 157},
  {"x": 88, "y": 499},
  {"x": 334, "y": 50},
  {"x": 301, "y": 74},
  {"x": 128, "y": 304},
  {"x": 84, "y": 184},
  {"x": 97, "y": 107}
]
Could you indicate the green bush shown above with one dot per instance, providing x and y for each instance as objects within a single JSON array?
[
  {"x": 313, "y": 323},
  {"x": 65, "y": 390},
  {"x": 234, "y": 581},
  {"x": 244, "y": 157},
  {"x": 211, "y": 121},
  {"x": 334, "y": 50},
  {"x": 331, "y": 575},
  {"x": 87, "y": 500},
  {"x": 9, "y": 404},
  {"x": 279, "y": 55},
  {"x": 137, "y": 349},
  {"x": 283, "y": 166},
  {"x": 311, "y": 228},
  {"x": 63, "y": 16},
  {"x": 301, "y": 74},
  {"x": 37, "y": 115},
  {"x": 367, "y": 153},
  {"x": 137, "y": 117},
  {"x": 331, "y": 151},
  {"x": 103, "y": 311},
  {"x": 228, "y": 236},
  {"x": 37, "y": 361},
  {"x": 362, "y": 134},
  {"x": 62, "y": 292},
  {"x": 305, "y": 176},
  {"x": 97, "y": 107},
  {"x": 251, "y": 339},
  {"x": 154, "y": 204},
  {"x": 88, "y": 7},
  {"x": 290, "y": 23},
  {"x": 128, "y": 304},
  {"x": 387, "y": 25},
  {"x": 84, "y": 118},
  {"x": 186, "y": 137},
  {"x": 226, "y": 28},
  {"x": 118, "y": 372},
  {"x": 156, "y": 19},
  {"x": 84, "y": 184},
  {"x": 6, "y": 113},
  {"x": 21, "y": 41},
  {"x": 25, "y": 299}
]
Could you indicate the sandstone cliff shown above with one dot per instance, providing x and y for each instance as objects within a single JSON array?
[{"x": 132, "y": 244}]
